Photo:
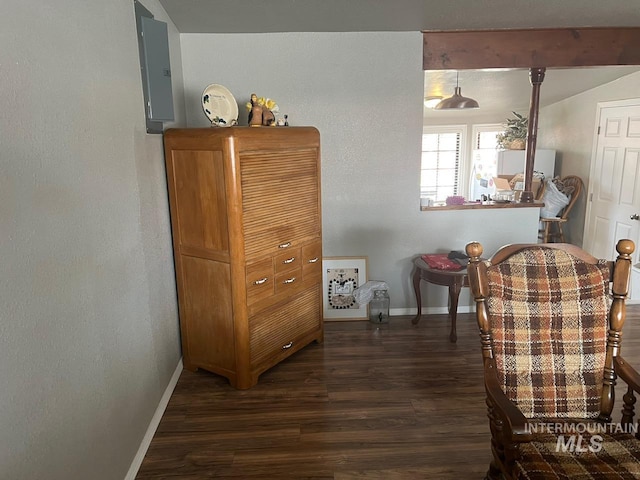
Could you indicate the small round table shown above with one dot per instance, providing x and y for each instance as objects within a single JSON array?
[{"x": 455, "y": 280}]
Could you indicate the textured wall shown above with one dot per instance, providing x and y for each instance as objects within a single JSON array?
[
  {"x": 88, "y": 326},
  {"x": 363, "y": 91},
  {"x": 88, "y": 329}
]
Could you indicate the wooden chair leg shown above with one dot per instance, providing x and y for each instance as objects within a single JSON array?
[
  {"x": 493, "y": 473},
  {"x": 560, "y": 232},
  {"x": 628, "y": 409},
  {"x": 497, "y": 447},
  {"x": 547, "y": 226}
]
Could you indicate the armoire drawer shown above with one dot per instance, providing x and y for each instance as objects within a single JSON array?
[
  {"x": 260, "y": 280},
  {"x": 288, "y": 281},
  {"x": 274, "y": 331},
  {"x": 312, "y": 261},
  {"x": 288, "y": 260}
]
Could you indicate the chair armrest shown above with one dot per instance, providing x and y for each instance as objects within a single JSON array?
[
  {"x": 627, "y": 373},
  {"x": 514, "y": 421}
]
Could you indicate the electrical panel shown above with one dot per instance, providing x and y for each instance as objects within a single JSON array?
[{"x": 153, "y": 46}]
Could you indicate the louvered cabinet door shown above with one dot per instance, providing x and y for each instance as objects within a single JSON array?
[
  {"x": 280, "y": 200},
  {"x": 283, "y": 329}
]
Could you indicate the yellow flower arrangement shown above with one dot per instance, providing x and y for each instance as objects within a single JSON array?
[{"x": 265, "y": 102}]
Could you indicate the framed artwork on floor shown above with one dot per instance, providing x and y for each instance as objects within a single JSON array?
[{"x": 340, "y": 277}]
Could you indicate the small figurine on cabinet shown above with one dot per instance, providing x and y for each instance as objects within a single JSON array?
[{"x": 261, "y": 111}]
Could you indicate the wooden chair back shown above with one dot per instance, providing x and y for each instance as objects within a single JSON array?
[
  {"x": 539, "y": 194},
  {"x": 549, "y": 294},
  {"x": 577, "y": 184}
]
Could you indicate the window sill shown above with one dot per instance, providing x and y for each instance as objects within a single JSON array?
[{"x": 482, "y": 206}]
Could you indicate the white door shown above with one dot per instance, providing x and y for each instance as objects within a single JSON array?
[{"x": 614, "y": 184}]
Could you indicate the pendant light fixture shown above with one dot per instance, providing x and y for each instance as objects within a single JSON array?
[{"x": 456, "y": 101}]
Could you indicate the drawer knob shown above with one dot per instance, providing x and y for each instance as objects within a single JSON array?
[
  {"x": 288, "y": 345},
  {"x": 289, "y": 260},
  {"x": 290, "y": 280},
  {"x": 284, "y": 245},
  {"x": 261, "y": 281},
  {"x": 313, "y": 260}
]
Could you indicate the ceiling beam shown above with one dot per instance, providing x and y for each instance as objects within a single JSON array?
[{"x": 554, "y": 47}]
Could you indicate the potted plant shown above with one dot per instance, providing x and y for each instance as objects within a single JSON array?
[{"x": 514, "y": 136}]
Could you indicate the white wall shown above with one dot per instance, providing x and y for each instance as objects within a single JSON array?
[
  {"x": 363, "y": 91},
  {"x": 569, "y": 126},
  {"x": 88, "y": 327}
]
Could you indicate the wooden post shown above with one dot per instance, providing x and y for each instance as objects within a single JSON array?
[{"x": 536, "y": 76}]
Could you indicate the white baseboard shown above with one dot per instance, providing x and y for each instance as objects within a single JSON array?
[
  {"x": 461, "y": 309},
  {"x": 429, "y": 310},
  {"x": 153, "y": 425}
]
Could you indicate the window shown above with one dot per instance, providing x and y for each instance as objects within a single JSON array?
[
  {"x": 440, "y": 171},
  {"x": 485, "y": 137},
  {"x": 452, "y": 166},
  {"x": 484, "y": 156}
]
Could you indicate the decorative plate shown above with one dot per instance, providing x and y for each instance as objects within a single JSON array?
[{"x": 220, "y": 106}]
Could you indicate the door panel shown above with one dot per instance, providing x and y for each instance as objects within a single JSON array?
[
  {"x": 607, "y": 174},
  {"x": 634, "y": 127},
  {"x": 628, "y": 192},
  {"x": 600, "y": 240},
  {"x": 623, "y": 230}
]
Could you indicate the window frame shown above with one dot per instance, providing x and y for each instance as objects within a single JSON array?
[
  {"x": 476, "y": 129},
  {"x": 462, "y": 151}
]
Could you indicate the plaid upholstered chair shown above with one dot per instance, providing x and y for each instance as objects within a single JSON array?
[{"x": 550, "y": 319}]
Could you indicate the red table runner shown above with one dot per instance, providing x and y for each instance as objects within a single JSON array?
[{"x": 440, "y": 261}]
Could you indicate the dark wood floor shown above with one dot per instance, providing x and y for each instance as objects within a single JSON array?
[{"x": 391, "y": 402}]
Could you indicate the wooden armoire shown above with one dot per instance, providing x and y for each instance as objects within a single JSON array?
[{"x": 247, "y": 240}]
